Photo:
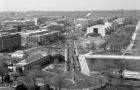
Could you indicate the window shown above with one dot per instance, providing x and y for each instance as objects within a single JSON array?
[{"x": 95, "y": 30}]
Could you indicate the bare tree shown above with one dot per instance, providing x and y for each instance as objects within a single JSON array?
[
  {"x": 108, "y": 72},
  {"x": 92, "y": 46},
  {"x": 31, "y": 78},
  {"x": 120, "y": 66},
  {"x": 114, "y": 72},
  {"x": 3, "y": 67}
]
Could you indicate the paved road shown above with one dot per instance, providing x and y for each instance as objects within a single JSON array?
[
  {"x": 84, "y": 66},
  {"x": 82, "y": 61},
  {"x": 71, "y": 54},
  {"x": 66, "y": 53},
  {"x": 135, "y": 34}
]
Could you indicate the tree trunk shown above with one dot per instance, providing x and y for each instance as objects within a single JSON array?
[
  {"x": 121, "y": 79},
  {"x": 2, "y": 79},
  {"x": 34, "y": 82},
  {"x": 110, "y": 81}
]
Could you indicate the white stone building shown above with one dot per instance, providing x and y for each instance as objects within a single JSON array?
[{"x": 100, "y": 29}]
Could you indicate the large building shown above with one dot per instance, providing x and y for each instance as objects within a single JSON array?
[
  {"x": 25, "y": 34},
  {"x": 10, "y": 41},
  {"x": 31, "y": 61},
  {"x": 39, "y": 38},
  {"x": 36, "y": 37},
  {"x": 100, "y": 29},
  {"x": 12, "y": 23},
  {"x": 19, "y": 23}
]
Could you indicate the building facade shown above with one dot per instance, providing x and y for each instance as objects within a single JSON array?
[
  {"x": 37, "y": 37},
  {"x": 99, "y": 29},
  {"x": 31, "y": 61},
  {"x": 10, "y": 41}
]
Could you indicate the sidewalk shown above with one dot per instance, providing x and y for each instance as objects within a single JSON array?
[
  {"x": 130, "y": 46},
  {"x": 134, "y": 36},
  {"x": 83, "y": 64},
  {"x": 84, "y": 67}
]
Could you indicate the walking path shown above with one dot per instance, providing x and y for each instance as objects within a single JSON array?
[
  {"x": 82, "y": 61},
  {"x": 84, "y": 66},
  {"x": 137, "y": 37},
  {"x": 66, "y": 54}
]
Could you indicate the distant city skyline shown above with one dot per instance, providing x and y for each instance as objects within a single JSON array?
[{"x": 68, "y": 5}]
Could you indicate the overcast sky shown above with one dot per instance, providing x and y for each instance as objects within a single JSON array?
[{"x": 66, "y": 5}]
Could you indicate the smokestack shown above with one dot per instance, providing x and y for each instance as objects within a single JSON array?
[{"x": 88, "y": 15}]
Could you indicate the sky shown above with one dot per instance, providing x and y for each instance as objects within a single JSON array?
[{"x": 68, "y": 5}]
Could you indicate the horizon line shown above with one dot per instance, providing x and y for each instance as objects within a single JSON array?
[{"x": 69, "y": 10}]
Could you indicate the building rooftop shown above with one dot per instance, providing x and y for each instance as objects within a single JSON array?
[
  {"x": 78, "y": 25},
  {"x": 82, "y": 19},
  {"x": 7, "y": 34},
  {"x": 34, "y": 32},
  {"x": 31, "y": 59},
  {"x": 97, "y": 26},
  {"x": 45, "y": 33},
  {"x": 35, "y": 57}
]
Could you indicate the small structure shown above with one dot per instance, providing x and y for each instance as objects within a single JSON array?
[
  {"x": 119, "y": 21},
  {"x": 83, "y": 22},
  {"x": 78, "y": 27},
  {"x": 131, "y": 74}
]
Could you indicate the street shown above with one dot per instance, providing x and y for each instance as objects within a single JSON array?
[
  {"x": 84, "y": 66},
  {"x": 134, "y": 36}
]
